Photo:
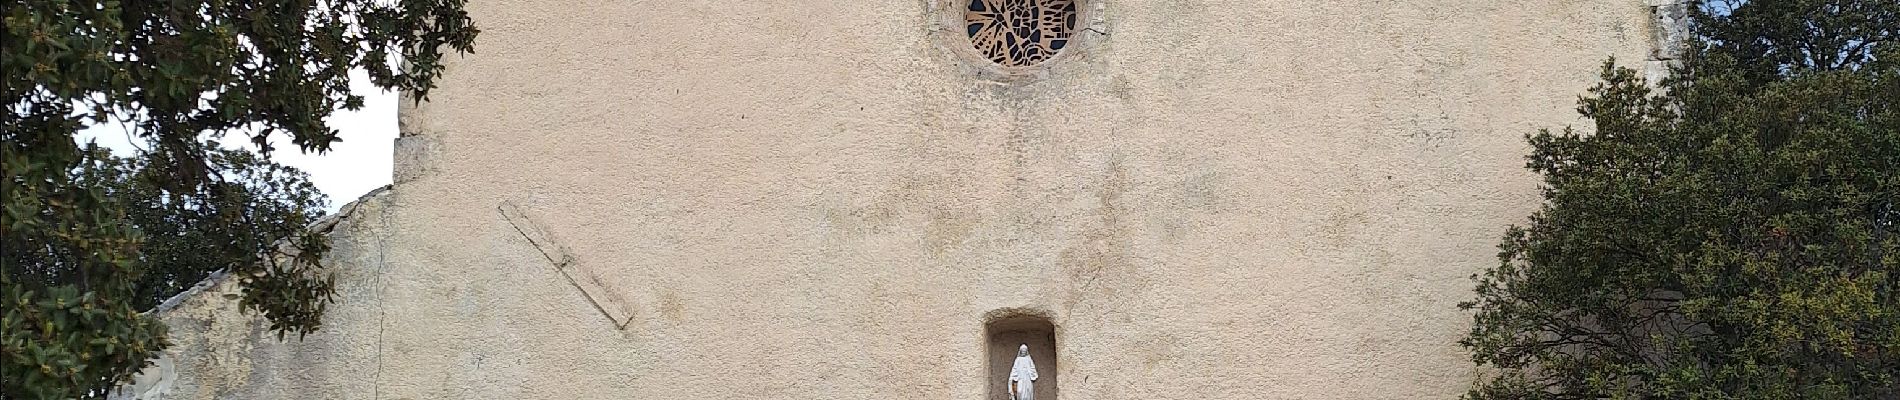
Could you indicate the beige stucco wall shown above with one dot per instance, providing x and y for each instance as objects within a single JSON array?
[{"x": 1246, "y": 199}]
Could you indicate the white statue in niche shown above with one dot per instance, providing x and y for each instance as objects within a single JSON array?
[{"x": 1022, "y": 376}]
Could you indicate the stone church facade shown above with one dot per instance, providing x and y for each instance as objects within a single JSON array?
[{"x": 1247, "y": 199}]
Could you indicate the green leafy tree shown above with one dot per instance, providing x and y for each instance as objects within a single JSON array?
[
  {"x": 1731, "y": 233},
  {"x": 90, "y": 240}
]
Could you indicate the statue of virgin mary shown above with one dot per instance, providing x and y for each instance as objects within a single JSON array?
[{"x": 1022, "y": 376}]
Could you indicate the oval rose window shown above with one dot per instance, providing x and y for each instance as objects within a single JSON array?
[{"x": 1020, "y": 33}]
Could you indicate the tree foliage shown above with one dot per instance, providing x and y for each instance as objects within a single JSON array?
[
  {"x": 1731, "y": 233},
  {"x": 91, "y": 239}
]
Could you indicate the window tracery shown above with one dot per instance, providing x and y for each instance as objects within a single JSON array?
[{"x": 1020, "y": 33}]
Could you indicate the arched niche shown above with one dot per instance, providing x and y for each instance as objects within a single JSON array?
[{"x": 1005, "y": 330}]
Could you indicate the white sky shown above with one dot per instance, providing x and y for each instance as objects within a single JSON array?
[{"x": 354, "y": 166}]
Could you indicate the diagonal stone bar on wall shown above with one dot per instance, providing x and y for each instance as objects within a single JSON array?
[{"x": 611, "y": 303}]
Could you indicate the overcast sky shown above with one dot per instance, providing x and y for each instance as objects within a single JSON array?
[{"x": 358, "y": 164}]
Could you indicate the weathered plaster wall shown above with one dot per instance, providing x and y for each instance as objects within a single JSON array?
[
  {"x": 220, "y": 352},
  {"x": 1245, "y": 199}
]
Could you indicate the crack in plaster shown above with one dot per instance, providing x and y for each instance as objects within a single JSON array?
[{"x": 617, "y": 312}]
